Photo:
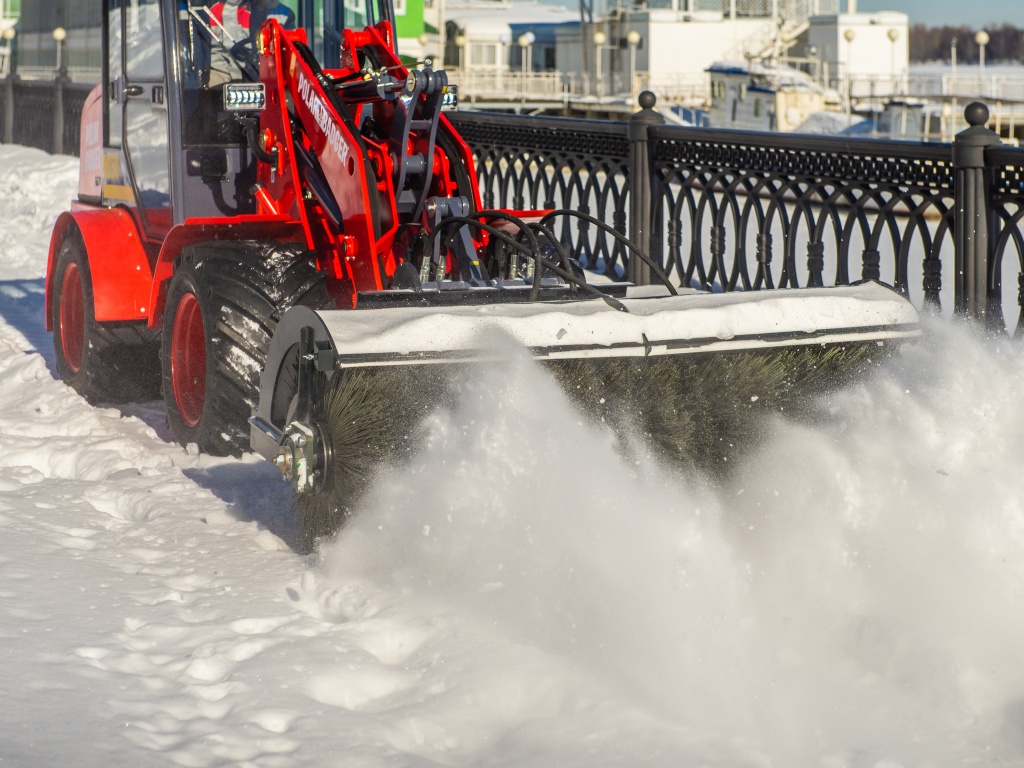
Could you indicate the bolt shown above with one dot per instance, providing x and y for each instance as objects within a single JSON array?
[{"x": 283, "y": 461}]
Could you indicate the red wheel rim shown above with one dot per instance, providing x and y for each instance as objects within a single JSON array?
[
  {"x": 72, "y": 317},
  {"x": 188, "y": 360}
]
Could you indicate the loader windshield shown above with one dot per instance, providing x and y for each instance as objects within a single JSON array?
[
  {"x": 217, "y": 45},
  {"x": 325, "y": 19}
]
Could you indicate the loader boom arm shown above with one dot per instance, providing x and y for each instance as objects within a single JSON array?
[{"x": 352, "y": 151}]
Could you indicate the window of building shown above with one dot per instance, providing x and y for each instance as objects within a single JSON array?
[{"x": 483, "y": 54}]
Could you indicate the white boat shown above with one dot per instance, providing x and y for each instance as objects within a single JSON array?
[{"x": 764, "y": 97}]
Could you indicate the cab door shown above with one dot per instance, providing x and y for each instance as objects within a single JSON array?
[{"x": 141, "y": 90}]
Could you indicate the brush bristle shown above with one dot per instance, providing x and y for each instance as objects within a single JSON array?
[
  {"x": 701, "y": 411},
  {"x": 368, "y": 417},
  {"x": 698, "y": 411}
]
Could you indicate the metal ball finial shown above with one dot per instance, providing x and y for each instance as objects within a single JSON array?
[
  {"x": 976, "y": 114},
  {"x": 647, "y": 99}
]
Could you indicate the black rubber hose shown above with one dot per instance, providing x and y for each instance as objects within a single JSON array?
[
  {"x": 621, "y": 238},
  {"x": 565, "y": 274},
  {"x": 523, "y": 227},
  {"x": 251, "y": 138},
  {"x": 530, "y": 229},
  {"x": 490, "y": 214}
]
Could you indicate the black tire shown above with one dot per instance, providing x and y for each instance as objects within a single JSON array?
[
  {"x": 227, "y": 297},
  {"x": 103, "y": 362}
]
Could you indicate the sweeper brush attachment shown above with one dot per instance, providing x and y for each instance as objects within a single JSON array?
[
  {"x": 689, "y": 376},
  {"x": 361, "y": 420}
]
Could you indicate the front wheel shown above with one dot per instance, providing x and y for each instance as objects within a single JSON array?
[{"x": 222, "y": 306}]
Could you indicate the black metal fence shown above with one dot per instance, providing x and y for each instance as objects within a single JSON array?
[
  {"x": 728, "y": 210},
  {"x": 42, "y": 114}
]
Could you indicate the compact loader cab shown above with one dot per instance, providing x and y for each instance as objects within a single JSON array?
[
  {"x": 239, "y": 158},
  {"x": 166, "y": 66}
]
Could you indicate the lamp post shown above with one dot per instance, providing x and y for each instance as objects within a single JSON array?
[
  {"x": 849, "y": 35},
  {"x": 460, "y": 43},
  {"x": 893, "y": 34},
  {"x": 982, "y": 39},
  {"x": 525, "y": 41},
  {"x": 811, "y": 52},
  {"x": 600, "y": 38},
  {"x": 8, "y": 38},
  {"x": 633, "y": 38},
  {"x": 60, "y": 35}
]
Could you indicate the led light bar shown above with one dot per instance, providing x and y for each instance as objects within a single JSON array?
[{"x": 244, "y": 97}]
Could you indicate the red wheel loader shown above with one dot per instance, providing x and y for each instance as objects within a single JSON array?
[{"x": 278, "y": 227}]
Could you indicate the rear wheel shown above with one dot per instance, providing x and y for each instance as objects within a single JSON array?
[
  {"x": 222, "y": 306},
  {"x": 104, "y": 362}
]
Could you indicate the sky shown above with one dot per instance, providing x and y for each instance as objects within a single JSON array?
[{"x": 952, "y": 12}]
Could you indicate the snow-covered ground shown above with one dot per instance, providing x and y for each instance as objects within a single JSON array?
[{"x": 519, "y": 594}]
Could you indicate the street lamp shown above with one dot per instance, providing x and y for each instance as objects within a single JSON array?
[
  {"x": 525, "y": 41},
  {"x": 982, "y": 39},
  {"x": 8, "y": 38},
  {"x": 893, "y": 34},
  {"x": 460, "y": 43},
  {"x": 633, "y": 38},
  {"x": 849, "y": 35},
  {"x": 60, "y": 35},
  {"x": 600, "y": 38},
  {"x": 811, "y": 52}
]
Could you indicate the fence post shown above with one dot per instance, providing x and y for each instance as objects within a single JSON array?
[
  {"x": 975, "y": 218},
  {"x": 9, "y": 82},
  {"x": 58, "y": 108},
  {"x": 641, "y": 213}
]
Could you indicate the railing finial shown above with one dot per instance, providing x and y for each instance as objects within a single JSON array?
[{"x": 976, "y": 113}]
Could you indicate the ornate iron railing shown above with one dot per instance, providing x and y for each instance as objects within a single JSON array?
[
  {"x": 742, "y": 210},
  {"x": 550, "y": 162},
  {"x": 1008, "y": 230},
  {"x": 756, "y": 211},
  {"x": 42, "y": 114},
  {"x": 724, "y": 210}
]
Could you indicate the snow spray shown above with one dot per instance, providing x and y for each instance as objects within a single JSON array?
[{"x": 851, "y": 595}]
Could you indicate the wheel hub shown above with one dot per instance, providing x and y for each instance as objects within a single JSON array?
[
  {"x": 72, "y": 317},
  {"x": 188, "y": 360},
  {"x": 297, "y": 457}
]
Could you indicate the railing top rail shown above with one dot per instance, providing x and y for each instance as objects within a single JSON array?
[
  {"x": 999, "y": 156},
  {"x": 573, "y": 124},
  {"x": 47, "y": 86},
  {"x": 606, "y": 139},
  {"x": 830, "y": 145}
]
